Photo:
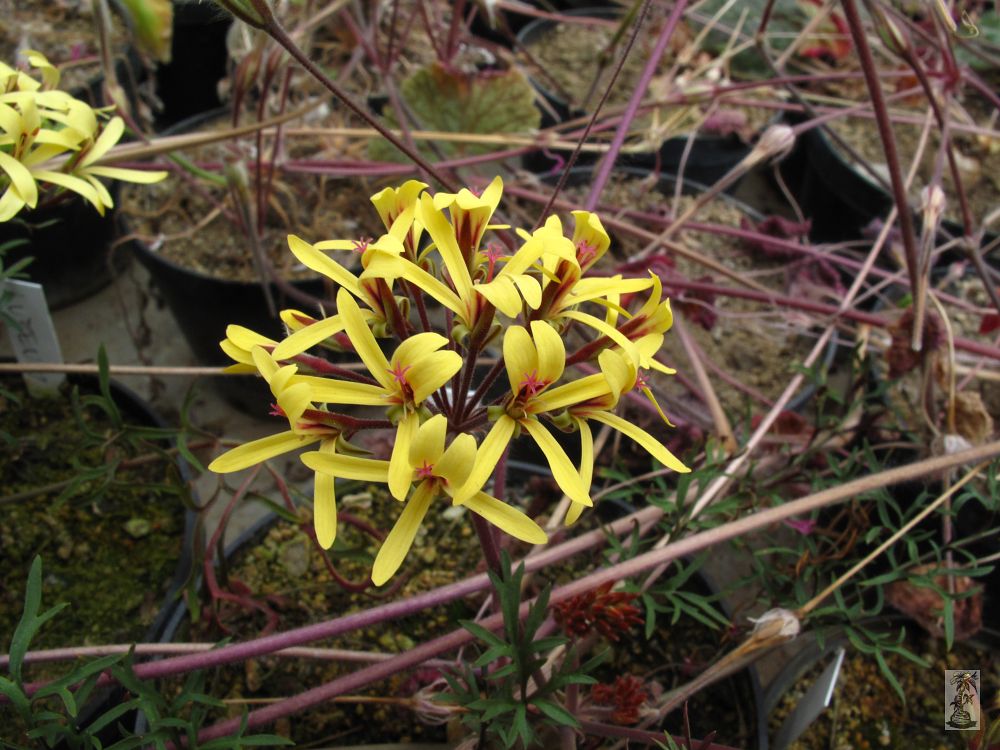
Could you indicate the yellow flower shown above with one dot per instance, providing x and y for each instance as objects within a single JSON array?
[
  {"x": 438, "y": 471},
  {"x": 392, "y": 203},
  {"x": 620, "y": 375},
  {"x": 535, "y": 361},
  {"x": 38, "y": 127}
]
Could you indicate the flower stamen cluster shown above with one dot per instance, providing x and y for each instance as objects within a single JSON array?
[{"x": 519, "y": 299}]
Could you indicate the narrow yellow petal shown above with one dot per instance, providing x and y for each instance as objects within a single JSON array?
[
  {"x": 364, "y": 342},
  {"x": 330, "y": 391},
  {"x": 519, "y": 356},
  {"x": 643, "y": 438},
  {"x": 432, "y": 372},
  {"x": 575, "y": 510},
  {"x": 252, "y": 453},
  {"x": 110, "y": 135},
  {"x": 507, "y": 518},
  {"x": 396, "y": 546},
  {"x": 443, "y": 235},
  {"x": 493, "y": 446},
  {"x": 400, "y": 470},
  {"x": 320, "y": 263},
  {"x": 455, "y": 464},
  {"x": 428, "y": 444},
  {"x": 568, "y": 394},
  {"x": 138, "y": 176},
  {"x": 325, "y": 503},
  {"x": 348, "y": 467},
  {"x": 383, "y": 266},
  {"x": 551, "y": 351},
  {"x": 20, "y": 179},
  {"x": 308, "y": 337},
  {"x": 563, "y": 471},
  {"x": 246, "y": 339}
]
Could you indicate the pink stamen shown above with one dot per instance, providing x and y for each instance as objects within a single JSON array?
[
  {"x": 532, "y": 384},
  {"x": 277, "y": 411},
  {"x": 640, "y": 382},
  {"x": 360, "y": 245},
  {"x": 426, "y": 471},
  {"x": 585, "y": 253},
  {"x": 493, "y": 253},
  {"x": 399, "y": 373}
]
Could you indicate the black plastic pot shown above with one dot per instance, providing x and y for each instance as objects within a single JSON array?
[
  {"x": 205, "y": 305},
  {"x": 71, "y": 246},
  {"x": 188, "y": 84},
  {"x": 838, "y": 198},
  {"x": 711, "y": 156}
]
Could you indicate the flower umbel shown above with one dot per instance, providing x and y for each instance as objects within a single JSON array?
[{"x": 427, "y": 377}]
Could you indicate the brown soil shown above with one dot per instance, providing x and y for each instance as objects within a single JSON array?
[
  {"x": 978, "y": 157},
  {"x": 866, "y": 712},
  {"x": 63, "y": 32},
  {"x": 978, "y": 400},
  {"x": 313, "y": 207},
  {"x": 755, "y": 343},
  {"x": 569, "y": 55},
  {"x": 109, "y": 550}
]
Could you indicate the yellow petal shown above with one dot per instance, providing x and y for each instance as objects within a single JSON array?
[
  {"x": 394, "y": 267},
  {"x": 252, "y": 453},
  {"x": 643, "y": 438},
  {"x": 246, "y": 339},
  {"x": 396, "y": 546},
  {"x": 455, "y": 464},
  {"x": 308, "y": 337},
  {"x": 110, "y": 135},
  {"x": 400, "y": 470},
  {"x": 348, "y": 467},
  {"x": 20, "y": 179},
  {"x": 505, "y": 517},
  {"x": 568, "y": 394},
  {"x": 563, "y": 471},
  {"x": 330, "y": 391},
  {"x": 428, "y": 444},
  {"x": 432, "y": 372},
  {"x": 325, "y": 503},
  {"x": 312, "y": 258},
  {"x": 493, "y": 446},
  {"x": 363, "y": 340},
  {"x": 551, "y": 351},
  {"x": 75, "y": 184},
  {"x": 503, "y": 295},
  {"x": 519, "y": 356},
  {"x": 139, "y": 176},
  {"x": 443, "y": 235}
]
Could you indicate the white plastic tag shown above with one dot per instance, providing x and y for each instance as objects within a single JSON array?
[{"x": 32, "y": 335}]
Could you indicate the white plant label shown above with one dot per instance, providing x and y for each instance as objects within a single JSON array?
[{"x": 32, "y": 334}]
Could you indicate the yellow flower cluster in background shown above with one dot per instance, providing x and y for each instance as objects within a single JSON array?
[
  {"x": 518, "y": 300},
  {"x": 52, "y": 138}
]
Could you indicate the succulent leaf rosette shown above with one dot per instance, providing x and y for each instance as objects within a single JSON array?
[
  {"x": 51, "y": 141},
  {"x": 453, "y": 423}
]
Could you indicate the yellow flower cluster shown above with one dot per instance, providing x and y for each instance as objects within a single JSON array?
[
  {"x": 521, "y": 302},
  {"x": 50, "y": 137}
]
